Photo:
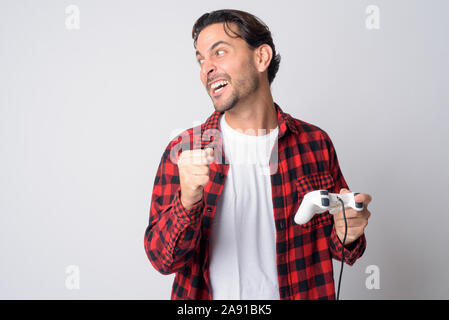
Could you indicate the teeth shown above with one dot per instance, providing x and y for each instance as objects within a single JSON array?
[{"x": 218, "y": 83}]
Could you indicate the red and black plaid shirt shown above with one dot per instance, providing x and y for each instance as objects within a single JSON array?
[{"x": 177, "y": 240}]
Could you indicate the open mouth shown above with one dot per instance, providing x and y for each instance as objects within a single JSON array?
[{"x": 218, "y": 87}]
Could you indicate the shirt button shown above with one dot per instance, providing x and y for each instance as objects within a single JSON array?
[{"x": 209, "y": 209}]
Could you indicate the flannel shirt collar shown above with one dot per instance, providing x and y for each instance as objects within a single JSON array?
[{"x": 285, "y": 122}]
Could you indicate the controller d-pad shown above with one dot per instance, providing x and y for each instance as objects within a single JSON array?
[{"x": 325, "y": 202}]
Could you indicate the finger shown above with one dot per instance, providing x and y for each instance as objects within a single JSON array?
[
  {"x": 192, "y": 161},
  {"x": 344, "y": 190},
  {"x": 365, "y": 214},
  {"x": 351, "y": 223},
  {"x": 350, "y": 213},
  {"x": 195, "y": 157},
  {"x": 363, "y": 197},
  {"x": 199, "y": 170},
  {"x": 209, "y": 152},
  {"x": 353, "y": 215},
  {"x": 200, "y": 181}
]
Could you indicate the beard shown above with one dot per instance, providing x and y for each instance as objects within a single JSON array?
[
  {"x": 229, "y": 103},
  {"x": 241, "y": 89}
]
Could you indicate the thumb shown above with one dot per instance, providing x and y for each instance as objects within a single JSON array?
[
  {"x": 344, "y": 190},
  {"x": 209, "y": 154}
]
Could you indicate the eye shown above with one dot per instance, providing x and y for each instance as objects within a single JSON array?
[{"x": 220, "y": 51}]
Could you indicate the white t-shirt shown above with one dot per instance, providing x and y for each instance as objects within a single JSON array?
[{"x": 243, "y": 235}]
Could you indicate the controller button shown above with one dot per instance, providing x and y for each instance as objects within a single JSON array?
[
  {"x": 359, "y": 205},
  {"x": 324, "y": 192},
  {"x": 325, "y": 202}
]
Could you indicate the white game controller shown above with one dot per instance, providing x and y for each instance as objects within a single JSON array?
[{"x": 320, "y": 201}]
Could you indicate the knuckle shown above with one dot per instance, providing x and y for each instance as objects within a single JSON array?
[{"x": 185, "y": 153}]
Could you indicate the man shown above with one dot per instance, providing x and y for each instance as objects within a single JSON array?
[{"x": 225, "y": 227}]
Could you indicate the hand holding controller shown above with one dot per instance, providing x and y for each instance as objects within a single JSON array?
[{"x": 319, "y": 201}]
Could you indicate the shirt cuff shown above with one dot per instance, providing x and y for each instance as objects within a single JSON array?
[
  {"x": 182, "y": 219},
  {"x": 351, "y": 252},
  {"x": 190, "y": 215}
]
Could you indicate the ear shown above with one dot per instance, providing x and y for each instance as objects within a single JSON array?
[{"x": 262, "y": 56}]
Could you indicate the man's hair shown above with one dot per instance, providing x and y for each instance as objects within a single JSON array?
[{"x": 252, "y": 30}]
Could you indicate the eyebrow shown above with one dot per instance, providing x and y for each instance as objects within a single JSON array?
[{"x": 214, "y": 46}]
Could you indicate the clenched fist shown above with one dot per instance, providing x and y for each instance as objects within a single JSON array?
[{"x": 193, "y": 167}]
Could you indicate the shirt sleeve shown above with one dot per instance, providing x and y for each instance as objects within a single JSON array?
[
  {"x": 356, "y": 249},
  {"x": 173, "y": 232}
]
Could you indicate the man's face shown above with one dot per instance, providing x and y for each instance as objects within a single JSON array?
[{"x": 229, "y": 61}]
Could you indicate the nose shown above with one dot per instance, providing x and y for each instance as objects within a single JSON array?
[{"x": 207, "y": 68}]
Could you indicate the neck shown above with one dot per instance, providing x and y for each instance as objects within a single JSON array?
[{"x": 255, "y": 115}]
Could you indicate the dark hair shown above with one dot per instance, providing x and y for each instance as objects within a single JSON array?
[{"x": 252, "y": 30}]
